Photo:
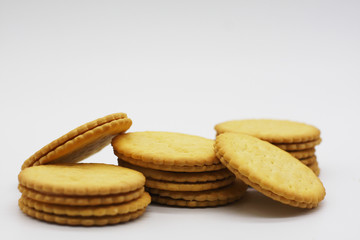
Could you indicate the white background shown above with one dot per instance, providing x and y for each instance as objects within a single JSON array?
[{"x": 184, "y": 66}]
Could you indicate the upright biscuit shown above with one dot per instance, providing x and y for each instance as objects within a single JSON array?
[
  {"x": 269, "y": 170},
  {"x": 274, "y": 131},
  {"x": 81, "y": 142}
]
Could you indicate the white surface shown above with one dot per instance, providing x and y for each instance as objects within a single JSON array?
[{"x": 184, "y": 66}]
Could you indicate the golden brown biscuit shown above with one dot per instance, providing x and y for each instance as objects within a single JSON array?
[
  {"x": 269, "y": 170},
  {"x": 181, "y": 177},
  {"x": 81, "y": 179},
  {"x": 274, "y": 131},
  {"x": 81, "y": 142}
]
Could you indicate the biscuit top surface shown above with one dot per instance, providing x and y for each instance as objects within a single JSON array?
[
  {"x": 166, "y": 148},
  {"x": 275, "y": 131},
  {"x": 269, "y": 167},
  {"x": 81, "y": 179}
]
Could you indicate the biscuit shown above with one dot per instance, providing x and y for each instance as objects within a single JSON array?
[
  {"x": 306, "y": 153},
  {"x": 181, "y": 177},
  {"x": 315, "y": 168},
  {"x": 80, "y": 200},
  {"x": 198, "y": 186},
  {"x": 274, "y": 131},
  {"x": 166, "y": 148},
  {"x": 308, "y": 160},
  {"x": 171, "y": 168},
  {"x": 269, "y": 170},
  {"x": 298, "y": 146},
  {"x": 84, "y": 221},
  {"x": 81, "y": 142},
  {"x": 88, "y": 211},
  {"x": 234, "y": 191},
  {"x": 81, "y": 179},
  {"x": 193, "y": 204}
]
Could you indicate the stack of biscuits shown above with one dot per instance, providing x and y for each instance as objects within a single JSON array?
[
  {"x": 298, "y": 139},
  {"x": 82, "y": 194},
  {"x": 180, "y": 169},
  {"x": 55, "y": 188}
]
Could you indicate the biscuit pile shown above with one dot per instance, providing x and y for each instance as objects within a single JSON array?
[
  {"x": 176, "y": 169},
  {"x": 82, "y": 194},
  {"x": 296, "y": 138},
  {"x": 70, "y": 193},
  {"x": 180, "y": 169}
]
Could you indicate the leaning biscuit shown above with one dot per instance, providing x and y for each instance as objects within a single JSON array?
[
  {"x": 269, "y": 170},
  {"x": 274, "y": 131},
  {"x": 81, "y": 142}
]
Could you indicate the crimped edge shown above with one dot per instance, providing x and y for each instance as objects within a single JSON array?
[
  {"x": 170, "y": 160},
  {"x": 80, "y": 200},
  {"x": 236, "y": 189},
  {"x": 277, "y": 139},
  {"x": 68, "y": 191},
  {"x": 179, "y": 176},
  {"x": 80, "y": 221},
  {"x": 192, "y": 204},
  {"x": 308, "y": 160},
  {"x": 310, "y": 203},
  {"x": 199, "y": 186},
  {"x": 88, "y": 211},
  {"x": 303, "y": 153},
  {"x": 298, "y": 146},
  {"x": 171, "y": 168},
  {"x": 44, "y": 154}
]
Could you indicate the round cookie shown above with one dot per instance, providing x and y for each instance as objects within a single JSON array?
[
  {"x": 308, "y": 160},
  {"x": 82, "y": 221},
  {"x": 301, "y": 154},
  {"x": 274, "y": 131},
  {"x": 198, "y": 186},
  {"x": 89, "y": 211},
  {"x": 298, "y": 146},
  {"x": 166, "y": 148},
  {"x": 191, "y": 203},
  {"x": 181, "y": 177},
  {"x": 269, "y": 170},
  {"x": 80, "y": 200},
  {"x": 81, "y": 142},
  {"x": 81, "y": 179},
  {"x": 234, "y": 191},
  {"x": 171, "y": 168}
]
